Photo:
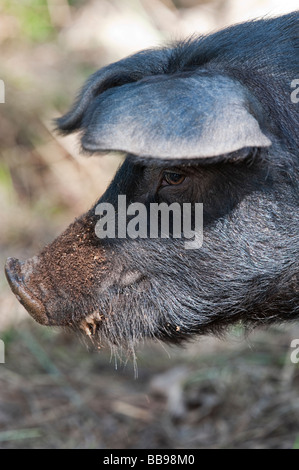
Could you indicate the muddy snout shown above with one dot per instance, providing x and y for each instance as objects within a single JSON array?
[{"x": 16, "y": 273}]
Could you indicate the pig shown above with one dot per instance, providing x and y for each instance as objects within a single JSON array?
[{"x": 211, "y": 120}]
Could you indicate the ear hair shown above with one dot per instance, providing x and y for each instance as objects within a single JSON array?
[
  {"x": 171, "y": 117},
  {"x": 128, "y": 70}
]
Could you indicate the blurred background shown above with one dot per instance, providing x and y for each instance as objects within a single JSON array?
[{"x": 231, "y": 393}]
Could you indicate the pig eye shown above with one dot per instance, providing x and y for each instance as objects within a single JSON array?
[{"x": 172, "y": 178}]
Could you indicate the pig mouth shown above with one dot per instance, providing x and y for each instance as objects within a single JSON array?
[{"x": 13, "y": 271}]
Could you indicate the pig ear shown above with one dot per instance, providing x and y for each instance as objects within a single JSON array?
[
  {"x": 191, "y": 116},
  {"x": 168, "y": 117},
  {"x": 130, "y": 69}
]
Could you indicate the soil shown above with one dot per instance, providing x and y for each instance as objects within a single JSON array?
[{"x": 233, "y": 393}]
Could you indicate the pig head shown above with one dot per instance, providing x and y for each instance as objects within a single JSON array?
[{"x": 209, "y": 120}]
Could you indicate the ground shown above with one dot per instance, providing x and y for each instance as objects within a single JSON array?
[{"x": 234, "y": 393}]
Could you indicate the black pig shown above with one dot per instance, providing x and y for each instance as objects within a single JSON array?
[{"x": 210, "y": 120}]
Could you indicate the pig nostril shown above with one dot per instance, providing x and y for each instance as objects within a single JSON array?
[{"x": 14, "y": 275}]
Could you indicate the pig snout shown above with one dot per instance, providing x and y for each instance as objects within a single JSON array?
[
  {"x": 48, "y": 285},
  {"x": 16, "y": 272}
]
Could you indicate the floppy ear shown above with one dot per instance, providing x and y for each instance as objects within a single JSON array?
[
  {"x": 185, "y": 116},
  {"x": 130, "y": 69}
]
